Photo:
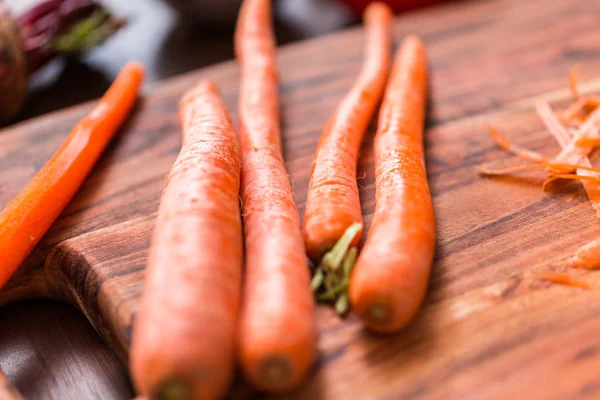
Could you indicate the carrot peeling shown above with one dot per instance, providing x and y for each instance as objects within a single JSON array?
[
  {"x": 510, "y": 147},
  {"x": 573, "y": 162},
  {"x": 30, "y": 214},
  {"x": 569, "y": 177},
  {"x": 573, "y": 78},
  {"x": 587, "y": 257},
  {"x": 563, "y": 279},
  {"x": 549, "y": 118},
  {"x": 547, "y": 165}
]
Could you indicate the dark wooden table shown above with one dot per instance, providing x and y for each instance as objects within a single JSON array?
[{"x": 47, "y": 348}]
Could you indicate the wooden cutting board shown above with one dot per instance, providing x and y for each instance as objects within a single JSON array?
[{"x": 489, "y": 327}]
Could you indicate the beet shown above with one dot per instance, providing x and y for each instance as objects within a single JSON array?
[
  {"x": 50, "y": 29},
  {"x": 13, "y": 67}
]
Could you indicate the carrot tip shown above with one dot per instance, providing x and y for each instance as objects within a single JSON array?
[{"x": 173, "y": 390}]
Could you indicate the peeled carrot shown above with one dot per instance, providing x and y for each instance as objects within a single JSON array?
[
  {"x": 391, "y": 274},
  {"x": 29, "y": 215},
  {"x": 183, "y": 343},
  {"x": 277, "y": 337},
  {"x": 333, "y": 203}
]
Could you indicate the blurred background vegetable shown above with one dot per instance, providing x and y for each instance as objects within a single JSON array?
[
  {"x": 397, "y": 5},
  {"x": 51, "y": 28}
]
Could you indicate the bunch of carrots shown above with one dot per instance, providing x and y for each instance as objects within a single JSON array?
[
  {"x": 254, "y": 283},
  {"x": 577, "y": 131},
  {"x": 266, "y": 312}
]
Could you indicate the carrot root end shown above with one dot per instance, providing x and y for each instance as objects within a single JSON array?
[
  {"x": 173, "y": 390},
  {"x": 275, "y": 371},
  {"x": 378, "y": 313}
]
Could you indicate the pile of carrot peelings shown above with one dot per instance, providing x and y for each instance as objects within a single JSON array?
[{"x": 576, "y": 129}]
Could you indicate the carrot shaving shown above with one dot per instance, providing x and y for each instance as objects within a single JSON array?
[
  {"x": 591, "y": 141},
  {"x": 569, "y": 176},
  {"x": 577, "y": 131},
  {"x": 508, "y": 146},
  {"x": 578, "y": 112},
  {"x": 563, "y": 279},
  {"x": 573, "y": 78},
  {"x": 549, "y": 118},
  {"x": 588, "y": 142},
  {"x": 521, "y": 168}
]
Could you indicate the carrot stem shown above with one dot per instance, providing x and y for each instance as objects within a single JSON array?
[
  {"x": 342, "y": 304},
  {"x": 333, "y": 259},
  {"x": 333, "y": 274},
  {"x": 317, "y": 279}
]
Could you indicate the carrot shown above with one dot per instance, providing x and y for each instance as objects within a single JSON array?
[
  {"x": 277, "y": 336},
  {"x": 333, "y": 204},
  {"x": 183, "y": 343},
  {"x": 563, "y": 279},
  {"x": 31, "y": 213},
  {"x": 7, "y": 390},
  {"x": 391, "y": 274}
]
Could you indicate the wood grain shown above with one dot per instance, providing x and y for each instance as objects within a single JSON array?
[
  {"x": 489, "y": 328},
  {"x": 47, "y": 363}
]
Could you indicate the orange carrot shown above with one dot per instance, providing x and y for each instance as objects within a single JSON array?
[
  {"x": 333, "y": 204},
  {"x": 391, "y": 275},
  {"x": 27, "y": 218},
  {"x": 277, "y": 336},
  {"x": 563, "y": 279},
  {"x": 183, "y": 343}
]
